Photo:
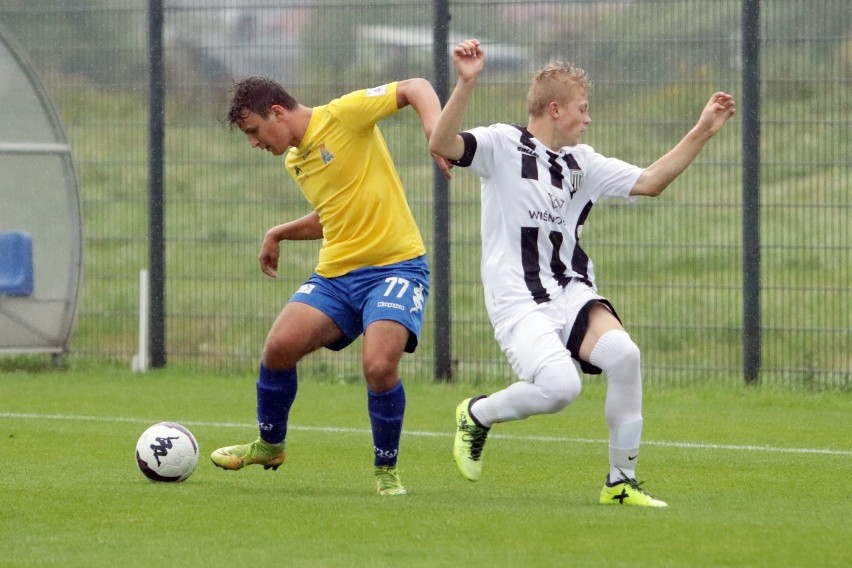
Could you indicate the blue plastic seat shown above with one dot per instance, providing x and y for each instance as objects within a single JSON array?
[{"x": 16, "y": 263}]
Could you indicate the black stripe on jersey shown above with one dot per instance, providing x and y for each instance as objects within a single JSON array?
[
  {"x": 556, "y": 265},
  {"x": 556, "y": 176},
  {"x": 529, "y": 166},
  {"x": 469, "y": 150},
  {"x": 579, "y": 258},
  {"x": 572, "y": 163},
  {"x": 529, "y": 261}
]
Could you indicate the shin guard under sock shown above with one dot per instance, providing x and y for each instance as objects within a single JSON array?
[
  {"x": 276, "y": 391},
  {"x": 386, "y": 411}
]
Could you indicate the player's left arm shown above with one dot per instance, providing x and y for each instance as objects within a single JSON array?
[
  {"x": 308, "y": 227},
  {"x": 665, "y": 169},
  {"x": 419, "y": 94}
]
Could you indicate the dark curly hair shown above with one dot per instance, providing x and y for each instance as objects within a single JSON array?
[{"x": 257, "y": 94}]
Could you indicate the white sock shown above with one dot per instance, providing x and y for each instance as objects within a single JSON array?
[
  {"x": 619, "y": 358},
  {"x": 554, "y": 387},
  {"x": 624, "y": 452}
]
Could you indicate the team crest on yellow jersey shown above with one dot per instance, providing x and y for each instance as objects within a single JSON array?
[{"x": 327, "y": 156}]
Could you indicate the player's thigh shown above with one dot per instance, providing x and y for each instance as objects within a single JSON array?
[
  {"x": 601, "y": 320},
  {"x": 301, "y": 329},
  {"x": 531, "y": 342}
]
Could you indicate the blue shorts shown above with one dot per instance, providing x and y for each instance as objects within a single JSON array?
[{"x": 396, "y": 292}]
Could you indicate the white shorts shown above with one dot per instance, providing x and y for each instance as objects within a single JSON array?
[{"x": 551, "y": 331}]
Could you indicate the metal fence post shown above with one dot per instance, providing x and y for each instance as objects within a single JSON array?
[
  {"x": 751, "y": 190},
  {"x": 441, "y": 258},
  {"x": 156, "y": 228}
]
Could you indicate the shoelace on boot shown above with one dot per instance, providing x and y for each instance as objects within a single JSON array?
[{"x": 476, "y": 436}]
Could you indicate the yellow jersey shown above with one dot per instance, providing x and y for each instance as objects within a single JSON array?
[{"x": 346, "y": 172}]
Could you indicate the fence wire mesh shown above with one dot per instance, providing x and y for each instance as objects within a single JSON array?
[{"x": 672, "y": 266}]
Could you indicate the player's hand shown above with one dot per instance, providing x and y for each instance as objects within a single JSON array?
[
  {"x": 268, "y": 258},
  {"x": 444, "y": 165},
  {"x": 716, "y": 113},
  {"x": 469, "y": 59}
]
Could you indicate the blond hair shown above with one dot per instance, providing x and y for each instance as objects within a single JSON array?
[{"x": 556, "y": 81}]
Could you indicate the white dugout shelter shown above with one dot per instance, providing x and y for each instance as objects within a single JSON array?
[{"x": 40, "y": 214}]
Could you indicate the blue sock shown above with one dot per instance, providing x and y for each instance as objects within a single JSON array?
[
  {"x": 276, "y": 391},
  {"x": 386, "y": 412}
]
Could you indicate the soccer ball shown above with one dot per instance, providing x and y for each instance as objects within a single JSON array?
[{"x": 167, "y": 452}]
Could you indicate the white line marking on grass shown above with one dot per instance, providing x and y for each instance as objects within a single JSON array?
[
  {"x": 337, "y": 430},
  {"x": 688, "y": 445}
]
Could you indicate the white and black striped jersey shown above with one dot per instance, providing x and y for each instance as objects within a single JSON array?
[{"x": 534, "y": 204}]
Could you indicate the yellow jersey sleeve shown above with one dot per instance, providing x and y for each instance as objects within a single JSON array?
[{"x": 344, "y": 169}]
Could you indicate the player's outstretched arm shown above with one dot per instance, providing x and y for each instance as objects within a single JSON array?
[
  {"x": 302, "y": 229},
  {"x": 469, "y": 60},
  {"x": 422, "y": 97},
  {"x": 665, "y": 169}
]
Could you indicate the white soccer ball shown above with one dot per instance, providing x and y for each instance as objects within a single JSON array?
[{"x": 167, "y": 452}]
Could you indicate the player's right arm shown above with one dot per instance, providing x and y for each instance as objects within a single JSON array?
[
  {"x": 421, "y": 96},
  {"x": 304, "y": 228},
  {"x": 666, "y": 168},
  {"x": 469, "y": 60}
]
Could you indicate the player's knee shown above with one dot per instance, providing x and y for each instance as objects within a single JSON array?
[
  {"x": 374, "y": 369},
  {"x": 279, "y": 353},
  {"x": 629, "y": 355},
  {"x": 380, "y": 373},
  {"x": 564, "y": 393},
  {"x": 559, "y": 385},
  {"x": 621, "y": 352}
]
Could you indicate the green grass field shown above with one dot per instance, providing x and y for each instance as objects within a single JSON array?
[{"x": 753, "y": 477}]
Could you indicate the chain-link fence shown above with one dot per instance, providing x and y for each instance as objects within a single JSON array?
[{"x": 672, "y": 266}]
